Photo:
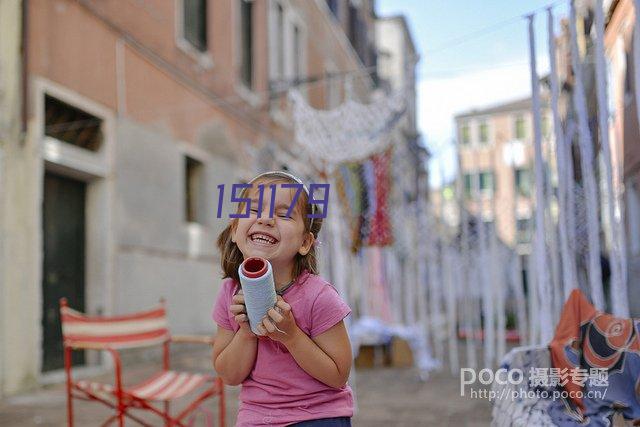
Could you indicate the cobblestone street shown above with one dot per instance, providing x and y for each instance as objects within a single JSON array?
[{"x": 385, "y": 397}]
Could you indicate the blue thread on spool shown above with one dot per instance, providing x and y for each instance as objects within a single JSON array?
[{"x": 256, "y": 277}]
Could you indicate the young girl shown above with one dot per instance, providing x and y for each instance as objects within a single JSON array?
[{"x": 297, "y": 377}]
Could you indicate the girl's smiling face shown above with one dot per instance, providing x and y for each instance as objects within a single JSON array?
[{"x": 277, "y": 239}]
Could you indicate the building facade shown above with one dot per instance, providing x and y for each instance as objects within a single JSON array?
[
  {"x": 496, "y": 156},
  {"x": 397, "y": 61},
  {"x": 624, "y": 132}
]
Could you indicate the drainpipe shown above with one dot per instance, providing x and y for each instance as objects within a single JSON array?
[{"x": 25, "y": 58}]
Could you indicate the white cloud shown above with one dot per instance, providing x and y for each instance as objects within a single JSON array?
[{"x": 440, "y": 99}]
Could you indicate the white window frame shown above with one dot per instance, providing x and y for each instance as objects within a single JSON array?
[
  {"x": 466, "y": 123},
  {"x": 487, "y": 193},
  {"x": 245, "y": 92},
  {"x": 202, "y": 157},
  {"x": 484, "y": 120},
  {"x": 203, "y": 58},
  {"x": 273, "y": 38},
  {"x": 529, "y": 219},
  {"x": 529, "y": 170},
  {"x": 291, "y": 19},
  {"x": 514, "y": 127}
]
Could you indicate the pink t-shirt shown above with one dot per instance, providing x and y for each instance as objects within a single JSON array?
[{"x": 278, "y": 391}]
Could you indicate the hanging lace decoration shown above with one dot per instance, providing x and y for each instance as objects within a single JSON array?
[{"x": 353, "y": 131}]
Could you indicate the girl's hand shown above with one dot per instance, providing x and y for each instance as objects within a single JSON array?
[
  {"x": 239, "y": 310},
  {"x": 280, "y": 317}
]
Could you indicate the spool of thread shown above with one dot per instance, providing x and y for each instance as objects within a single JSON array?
[{"x": 256, "y": 277}]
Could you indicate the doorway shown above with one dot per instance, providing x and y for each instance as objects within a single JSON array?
[{"x": 63, "y": 273}]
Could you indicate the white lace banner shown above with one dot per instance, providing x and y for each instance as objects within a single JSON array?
[{"x": 350, "y": 132}]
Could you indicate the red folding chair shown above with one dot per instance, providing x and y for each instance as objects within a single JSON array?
[{"x": 142, "y": 329}]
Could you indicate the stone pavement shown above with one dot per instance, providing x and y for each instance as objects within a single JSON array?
[{"x": 385, "y": 397}]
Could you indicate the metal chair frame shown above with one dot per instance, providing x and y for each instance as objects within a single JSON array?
[{"x": 124, "y": 400}]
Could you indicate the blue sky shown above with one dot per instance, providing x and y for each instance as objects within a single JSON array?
[{"x": 474, "y": 53}]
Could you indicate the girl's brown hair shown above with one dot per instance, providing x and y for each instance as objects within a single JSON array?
[{"x": 231, "y": 257}]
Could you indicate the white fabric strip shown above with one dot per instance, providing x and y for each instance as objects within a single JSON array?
[
  {"x": 435, "y": 286},
  {"x": 450, "y": 285},
  {"x": 465, "y": 263},
  {"x": 155, "y": 386},
  {"x": 486, "y": 285},
  {"x": 618, "y": 289},
  {"x": 587, "y": 167},
  {"x": 171, "y": 388},
  {"x": 567, "y": 257},
  {"x": 636, "y": 55},
  {"x": 97, "y": 329},
  {"x": 540, "y": 253}
]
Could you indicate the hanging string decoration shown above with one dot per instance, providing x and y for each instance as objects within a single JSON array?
[
  {"x": 369, "y": 181},
  {"x": 351, "y": 193},
  {"x": 380, "y": 230},
  {"x": 363, "y": 190}
]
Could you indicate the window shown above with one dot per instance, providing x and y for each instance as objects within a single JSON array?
[
  {"x": 246, "y": 34},
  {"x": 523, "y": 182},
  {"x": 287, "y": 50},
  {"x": 334, "y": 6},
  {"x": 468, "y": 185},
  {"x": 523, "y": 230},
  {"x": 465, "y": 134},
  {"x": 72, "y": 125},
  {"x": 354, "y": 26},
  {"x": 484, "y": 132},
  {"x": 194, "y": 14},
  {"x": 487, "y": 183},
  {"x": 193, "y": 189},
  {"x": 358, "y": 32},
  {"x": 524, "y": 273},
  {"x": 297, "y": 53},
  {"x": 519, "y": 127},
  {"x": 628, "y": 77},
  {"x": 279, "y": 48}
]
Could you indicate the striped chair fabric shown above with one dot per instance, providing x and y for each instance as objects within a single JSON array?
[
  {"x": 164, "y": 386},
  {"x": 141, "y": 329}
]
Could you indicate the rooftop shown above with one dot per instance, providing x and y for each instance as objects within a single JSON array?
[{"x": 510, "y": 106}]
